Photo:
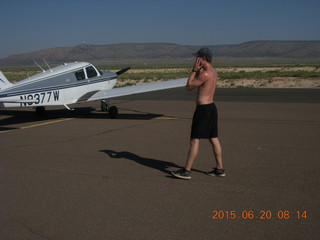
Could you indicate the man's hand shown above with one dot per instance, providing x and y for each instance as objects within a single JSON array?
[{"x": 197, "y": 65}]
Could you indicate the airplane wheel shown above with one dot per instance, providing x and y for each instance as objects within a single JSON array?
[
  {"x": 113, "y": 112},
  {"x": 40, "y": 111}
]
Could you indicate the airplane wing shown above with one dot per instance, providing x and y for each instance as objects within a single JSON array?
[{"x": 148, "y": 87}]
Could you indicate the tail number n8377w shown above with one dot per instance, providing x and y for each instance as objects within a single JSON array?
[{"x": 40, "y": 98}]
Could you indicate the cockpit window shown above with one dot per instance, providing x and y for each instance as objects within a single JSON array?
[
  {"x": 91, "y": 72},
  {"x": 80, "y": 75}
]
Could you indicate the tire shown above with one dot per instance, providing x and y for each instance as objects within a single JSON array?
[
  {"x": 113, "y": 112},
  {"x": 40, "y": 111}
]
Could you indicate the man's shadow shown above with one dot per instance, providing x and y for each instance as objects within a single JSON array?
[{"x": 160, "y": 165}]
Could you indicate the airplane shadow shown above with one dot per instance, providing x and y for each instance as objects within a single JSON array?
[
  {"x": 159, "y": 165},
  {"x": 11, "y": 117}
]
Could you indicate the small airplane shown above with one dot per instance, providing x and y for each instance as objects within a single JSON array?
[{"x": 72, "y": 83}]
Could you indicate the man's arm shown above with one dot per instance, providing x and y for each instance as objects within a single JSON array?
[
  {"x": 196, "y": 78},
  {"x": 194, "y": 81}
]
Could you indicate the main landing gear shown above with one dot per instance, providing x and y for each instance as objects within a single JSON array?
[
  {"x": 40, "y": 111},
  {"x": 113, "y": 110}
]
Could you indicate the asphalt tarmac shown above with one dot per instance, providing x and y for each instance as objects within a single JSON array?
[{"x": 80, "y": 175}]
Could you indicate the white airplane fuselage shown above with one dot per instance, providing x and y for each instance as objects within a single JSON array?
[
  {"x": 72, "y": 83},
  {"x": 63, "y": 85}
]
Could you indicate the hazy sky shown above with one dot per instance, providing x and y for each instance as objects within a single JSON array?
[{"x": 28, "y": 25}]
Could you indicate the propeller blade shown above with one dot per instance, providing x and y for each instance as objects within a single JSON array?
[{"x": 123, "y": 70}]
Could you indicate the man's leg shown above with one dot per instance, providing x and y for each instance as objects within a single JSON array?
[
  {"x": 217, "y": 152},
  {"x": 185, "y": 173},
  {"x": 193, "y": 152}
]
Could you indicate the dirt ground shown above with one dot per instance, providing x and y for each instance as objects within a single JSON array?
[{"x": 270, "y": 83}]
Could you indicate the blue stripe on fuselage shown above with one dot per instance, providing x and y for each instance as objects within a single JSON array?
[{"x": 59, "y": 87}]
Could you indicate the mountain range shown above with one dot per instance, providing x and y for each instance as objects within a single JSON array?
[{"x": 135, "y": 51}]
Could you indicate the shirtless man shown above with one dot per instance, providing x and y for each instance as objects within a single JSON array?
[{"x": 205, "y": 119}]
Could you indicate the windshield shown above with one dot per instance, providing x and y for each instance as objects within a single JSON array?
[{"x": 91, "y": 72}]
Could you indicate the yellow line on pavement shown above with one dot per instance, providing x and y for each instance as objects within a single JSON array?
[
  {"x": 166, "y": 118},
  {"x": 47, "y": 123},
  {"x": 38, "y": 125}
]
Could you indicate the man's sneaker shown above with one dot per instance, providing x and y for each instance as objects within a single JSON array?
[
  {"x": 182, "y": 173},
  {"x": 217, "y": 172}
]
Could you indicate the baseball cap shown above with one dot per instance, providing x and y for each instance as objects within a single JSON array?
[{"x": 204, "y": 52}]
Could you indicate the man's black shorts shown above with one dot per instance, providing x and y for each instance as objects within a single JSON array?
[{"x": 205, "y": 122}]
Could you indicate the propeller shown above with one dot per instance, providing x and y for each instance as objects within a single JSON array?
[{"x": 123, "y": 70}]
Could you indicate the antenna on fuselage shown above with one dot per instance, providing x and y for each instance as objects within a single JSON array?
[
  {"x": 47, "y": 64},
  {"x": 39, "y": 66}
]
